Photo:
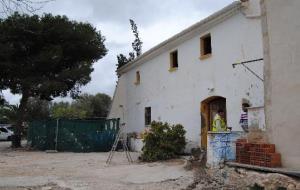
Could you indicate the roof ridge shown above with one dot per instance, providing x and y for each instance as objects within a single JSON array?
[{"x": 230, "y": 7}]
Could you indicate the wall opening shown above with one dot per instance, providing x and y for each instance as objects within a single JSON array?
[
  {"x": 137, "y": 78},
  {"x": 173, "y": 60},
  {"x": 209, "y": 108},
  {"x": 205, "y": 45},
  {"x": 147, "y": 116}
]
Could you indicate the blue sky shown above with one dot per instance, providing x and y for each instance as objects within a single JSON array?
[{"x": 156, "y": 20}]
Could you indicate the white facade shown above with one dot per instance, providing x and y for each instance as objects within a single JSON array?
[
  {"x": 282, "y": 79},
  {"x": 175, "y": 97}
]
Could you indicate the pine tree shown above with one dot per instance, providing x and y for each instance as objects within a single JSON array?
[{"x": 136, "y": 46}]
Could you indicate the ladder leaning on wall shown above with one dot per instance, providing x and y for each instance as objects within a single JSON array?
[{"x": 121, "y": 137}]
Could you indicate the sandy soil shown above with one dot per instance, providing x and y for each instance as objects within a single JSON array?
[
  {"x": 33, "y": 170},
  {"x": 22, "y": 170}
]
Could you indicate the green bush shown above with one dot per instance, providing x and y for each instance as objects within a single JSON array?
[{"x": 163, "y": 142}]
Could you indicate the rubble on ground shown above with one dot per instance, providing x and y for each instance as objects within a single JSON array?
[{"x": 228, "y": 178}]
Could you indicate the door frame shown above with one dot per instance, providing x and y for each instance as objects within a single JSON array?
[{"x": 206, "y": 117}]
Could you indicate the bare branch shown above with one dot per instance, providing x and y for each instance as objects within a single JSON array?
[{"x": 8, "y": 7}]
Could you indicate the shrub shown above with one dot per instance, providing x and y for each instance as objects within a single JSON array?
[{"x": 163, "y": 142}]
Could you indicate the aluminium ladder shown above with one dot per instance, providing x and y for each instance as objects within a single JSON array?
[{"x": 121, "y": 137}]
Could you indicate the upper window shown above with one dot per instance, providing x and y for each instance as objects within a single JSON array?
[
  {"x": 173, "y": 60},
  {"x": 137, "y": 78},
  {"x": 147, "y": 115},
  {"x": 205, "y": 46}
]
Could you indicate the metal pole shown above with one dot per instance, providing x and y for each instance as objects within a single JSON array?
[
  {"x": 250, "y": 61},
  {"x": 253, "y": 72}
]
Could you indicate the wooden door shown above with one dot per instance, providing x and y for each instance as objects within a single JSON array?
[
  {"x": 204, "y": 124},
  {"x": 209, "y": 108}
]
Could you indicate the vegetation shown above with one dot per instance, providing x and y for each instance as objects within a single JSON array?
[
  {"x": 2, "y": 100},
  {"x": 94, "y": 105},
  {"x": 37, "y": 109},
  {"x": 136, "y": 46},
  {"x": 8, "y": 113},
  {"x": 46, "y": 57},
  {"x": 8, "y": 7},
  {"x": 163, "y": 142},
  {"x": 66, "y": 110},
  {"x": 85, "y": 106}
]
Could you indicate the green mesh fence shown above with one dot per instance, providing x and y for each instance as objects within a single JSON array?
[{"x": 73, "y": 135}]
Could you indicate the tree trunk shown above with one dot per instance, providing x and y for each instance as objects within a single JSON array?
[{"x": 16, "y": 140}]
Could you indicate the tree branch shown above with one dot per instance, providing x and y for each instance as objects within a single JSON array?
[{"x": 23, "y": 6}]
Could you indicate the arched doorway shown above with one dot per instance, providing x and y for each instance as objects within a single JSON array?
[{"x": 209, "y": 108}]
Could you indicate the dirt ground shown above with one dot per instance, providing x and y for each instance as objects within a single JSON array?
[
  {"x": 22, "y": 170},
  {"x": 227, "y": 178},
  {"x": 36, "y": 170}
]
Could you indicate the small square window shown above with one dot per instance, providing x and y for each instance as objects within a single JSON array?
[
  {"x": 205, "y": 44},
  {"x": 173, "y": 60},
  {"x": 137, "y": 78},
  {"x": 147, "y": 116}
]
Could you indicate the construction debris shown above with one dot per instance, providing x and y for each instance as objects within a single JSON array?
[{"x": 228, "y": 178}]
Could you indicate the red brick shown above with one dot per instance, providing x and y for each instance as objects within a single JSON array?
[
  {"x": 271, "y": 160},
  {"x": 264, "y": 150},
  {"x": 242, "y": 147},
  {"x": 257, "y": 154},
  {"x": 243, "y": 161},
  {"x": 270, "y": 146},
  {"x": 240, "y": 144},
  {"x": 275, "y": 158},
  {"x": 255, "y": 145}
]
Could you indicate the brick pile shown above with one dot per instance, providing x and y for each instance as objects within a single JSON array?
[{"x": 258, "y": 154}]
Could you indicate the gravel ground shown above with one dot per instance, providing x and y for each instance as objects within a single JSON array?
[
  {"x": 22, "y": 169},
  {"x": 227, "y": 178},
  {"x": 32, "y": 170}
]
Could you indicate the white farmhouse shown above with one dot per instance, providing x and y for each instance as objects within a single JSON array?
[{"x": 188, "y": 77}]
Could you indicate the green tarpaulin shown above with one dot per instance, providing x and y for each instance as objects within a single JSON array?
[{"x": 73, "y": 135}]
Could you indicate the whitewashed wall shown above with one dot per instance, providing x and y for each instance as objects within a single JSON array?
[
  {"x": 175, "y": 97},
  {"x": 119, "y": 104},
  {"x": 282, "y": 68}
]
